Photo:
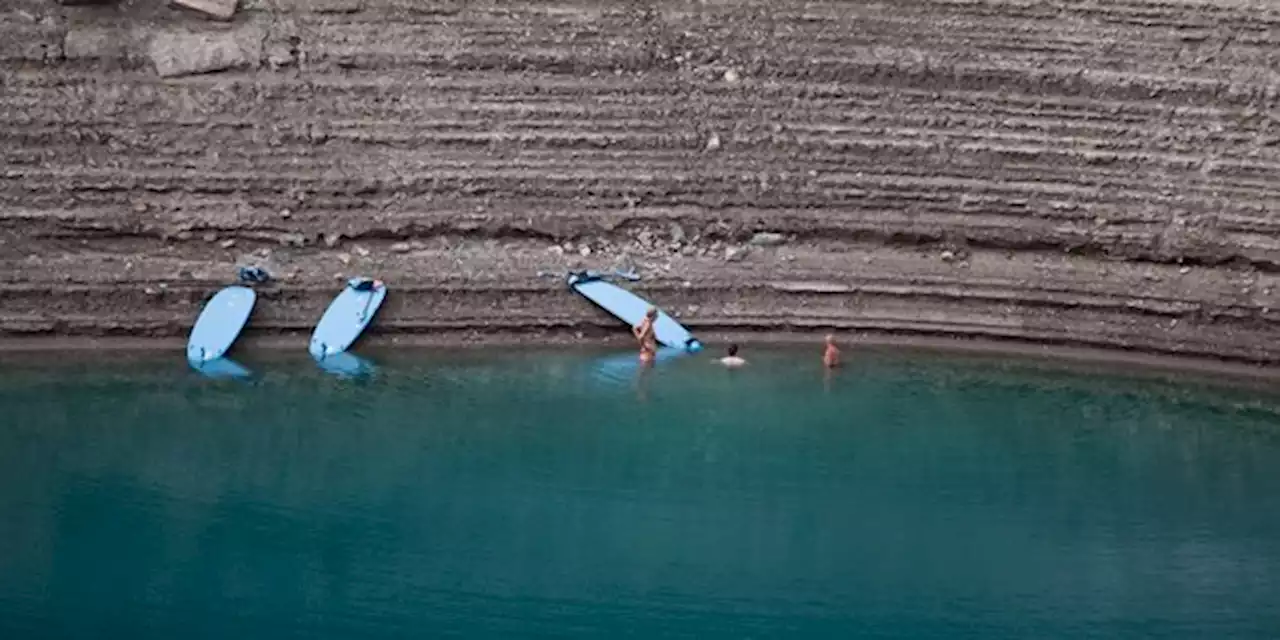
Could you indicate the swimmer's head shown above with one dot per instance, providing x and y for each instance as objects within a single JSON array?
[
  {"x": 733, "y": 350},
  {"x": 651, "y": 313},
  {"x": 831, "y": 339}
]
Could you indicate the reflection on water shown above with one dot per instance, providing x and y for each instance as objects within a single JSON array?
[
  {"x": 221, "y": 368},
  {"x": 346, "y": 365},
  {"x": 571, "y": 495}
]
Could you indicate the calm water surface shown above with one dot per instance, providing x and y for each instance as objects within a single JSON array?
[{"x": 556, "y": 495}]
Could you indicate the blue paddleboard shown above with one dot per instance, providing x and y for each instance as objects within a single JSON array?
[
  {"x": 347, "y": 317},
  {"x": 630, "y": 308},
  {"x": 219, "y": 324}
]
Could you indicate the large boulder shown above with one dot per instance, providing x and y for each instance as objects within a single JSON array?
[
  {"x": 178, "y": 54},
  {"x": 219, "y": 9}
]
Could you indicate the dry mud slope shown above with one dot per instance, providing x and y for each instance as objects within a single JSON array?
[{"x": 1083, "y": 172}]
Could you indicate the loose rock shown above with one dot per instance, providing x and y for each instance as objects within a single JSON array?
[
  {"x": 220, "y": 9},
  {"x": 177, "y": 54},
  {"x": 731, "y": 76},
  {"x": 677, "y": 233},
  {"x": 768, "y": 239},
  {"x": 331, "y": 240},
  {"x": 401, "y": 247},
  {"x": 584, "y": 251},
  {"x": 948, "y": 256},
  {"x": 86, "y": 43},
  {"x": 713, "y": 143},
  {"x": 227, "y": 244},
  {"x": 286, "y": 214},
  {"x": 335, "y": 6},
  {"x": 734, "y": 254},
  {"x": 279, "y": 56}
]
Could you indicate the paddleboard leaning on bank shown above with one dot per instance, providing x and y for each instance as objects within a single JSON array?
[
  {"x": 630, "y": 308},
  {"x": 347, "y": 317},
  {"x": 219, "y": 324}
]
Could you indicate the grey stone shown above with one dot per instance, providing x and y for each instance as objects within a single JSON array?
[
  {"x": 320, "y": 6},
  {"x": 336, "y": 6},
  {"x": 768, "y": 239},
  {"x": 401, "y": 247},
  {"x": 735, "y": 254},
  {"x": 177, "y": 54},
  {"x": 42, "y": 43},
  {"x": 279, "y": 56},
  {"x": 90, "y": 43},
  {"x": 677, "y": 233},
  {"x": 220, "y": 9}
]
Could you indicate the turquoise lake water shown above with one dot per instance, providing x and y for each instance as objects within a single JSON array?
[{"x": 539, "y": 494}]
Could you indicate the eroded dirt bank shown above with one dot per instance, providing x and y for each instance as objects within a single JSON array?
[{"x": 1089, "y": 173}]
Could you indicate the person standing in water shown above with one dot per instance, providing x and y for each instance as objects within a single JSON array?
[
  {"x": 831, "y": 357},
  {"x": 646, "y": 335},
  {"x": 732, "y": 359}
]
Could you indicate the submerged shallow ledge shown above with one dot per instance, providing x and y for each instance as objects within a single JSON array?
[{"x": 275, "y": 346}]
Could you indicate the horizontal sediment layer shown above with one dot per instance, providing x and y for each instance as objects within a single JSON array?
[{"x": 1051, "y": 172}]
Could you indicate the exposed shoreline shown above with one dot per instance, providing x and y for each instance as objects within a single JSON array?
[
  {"x": 1061, "y": 357},
  {"x": 975, "y": 174}
]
